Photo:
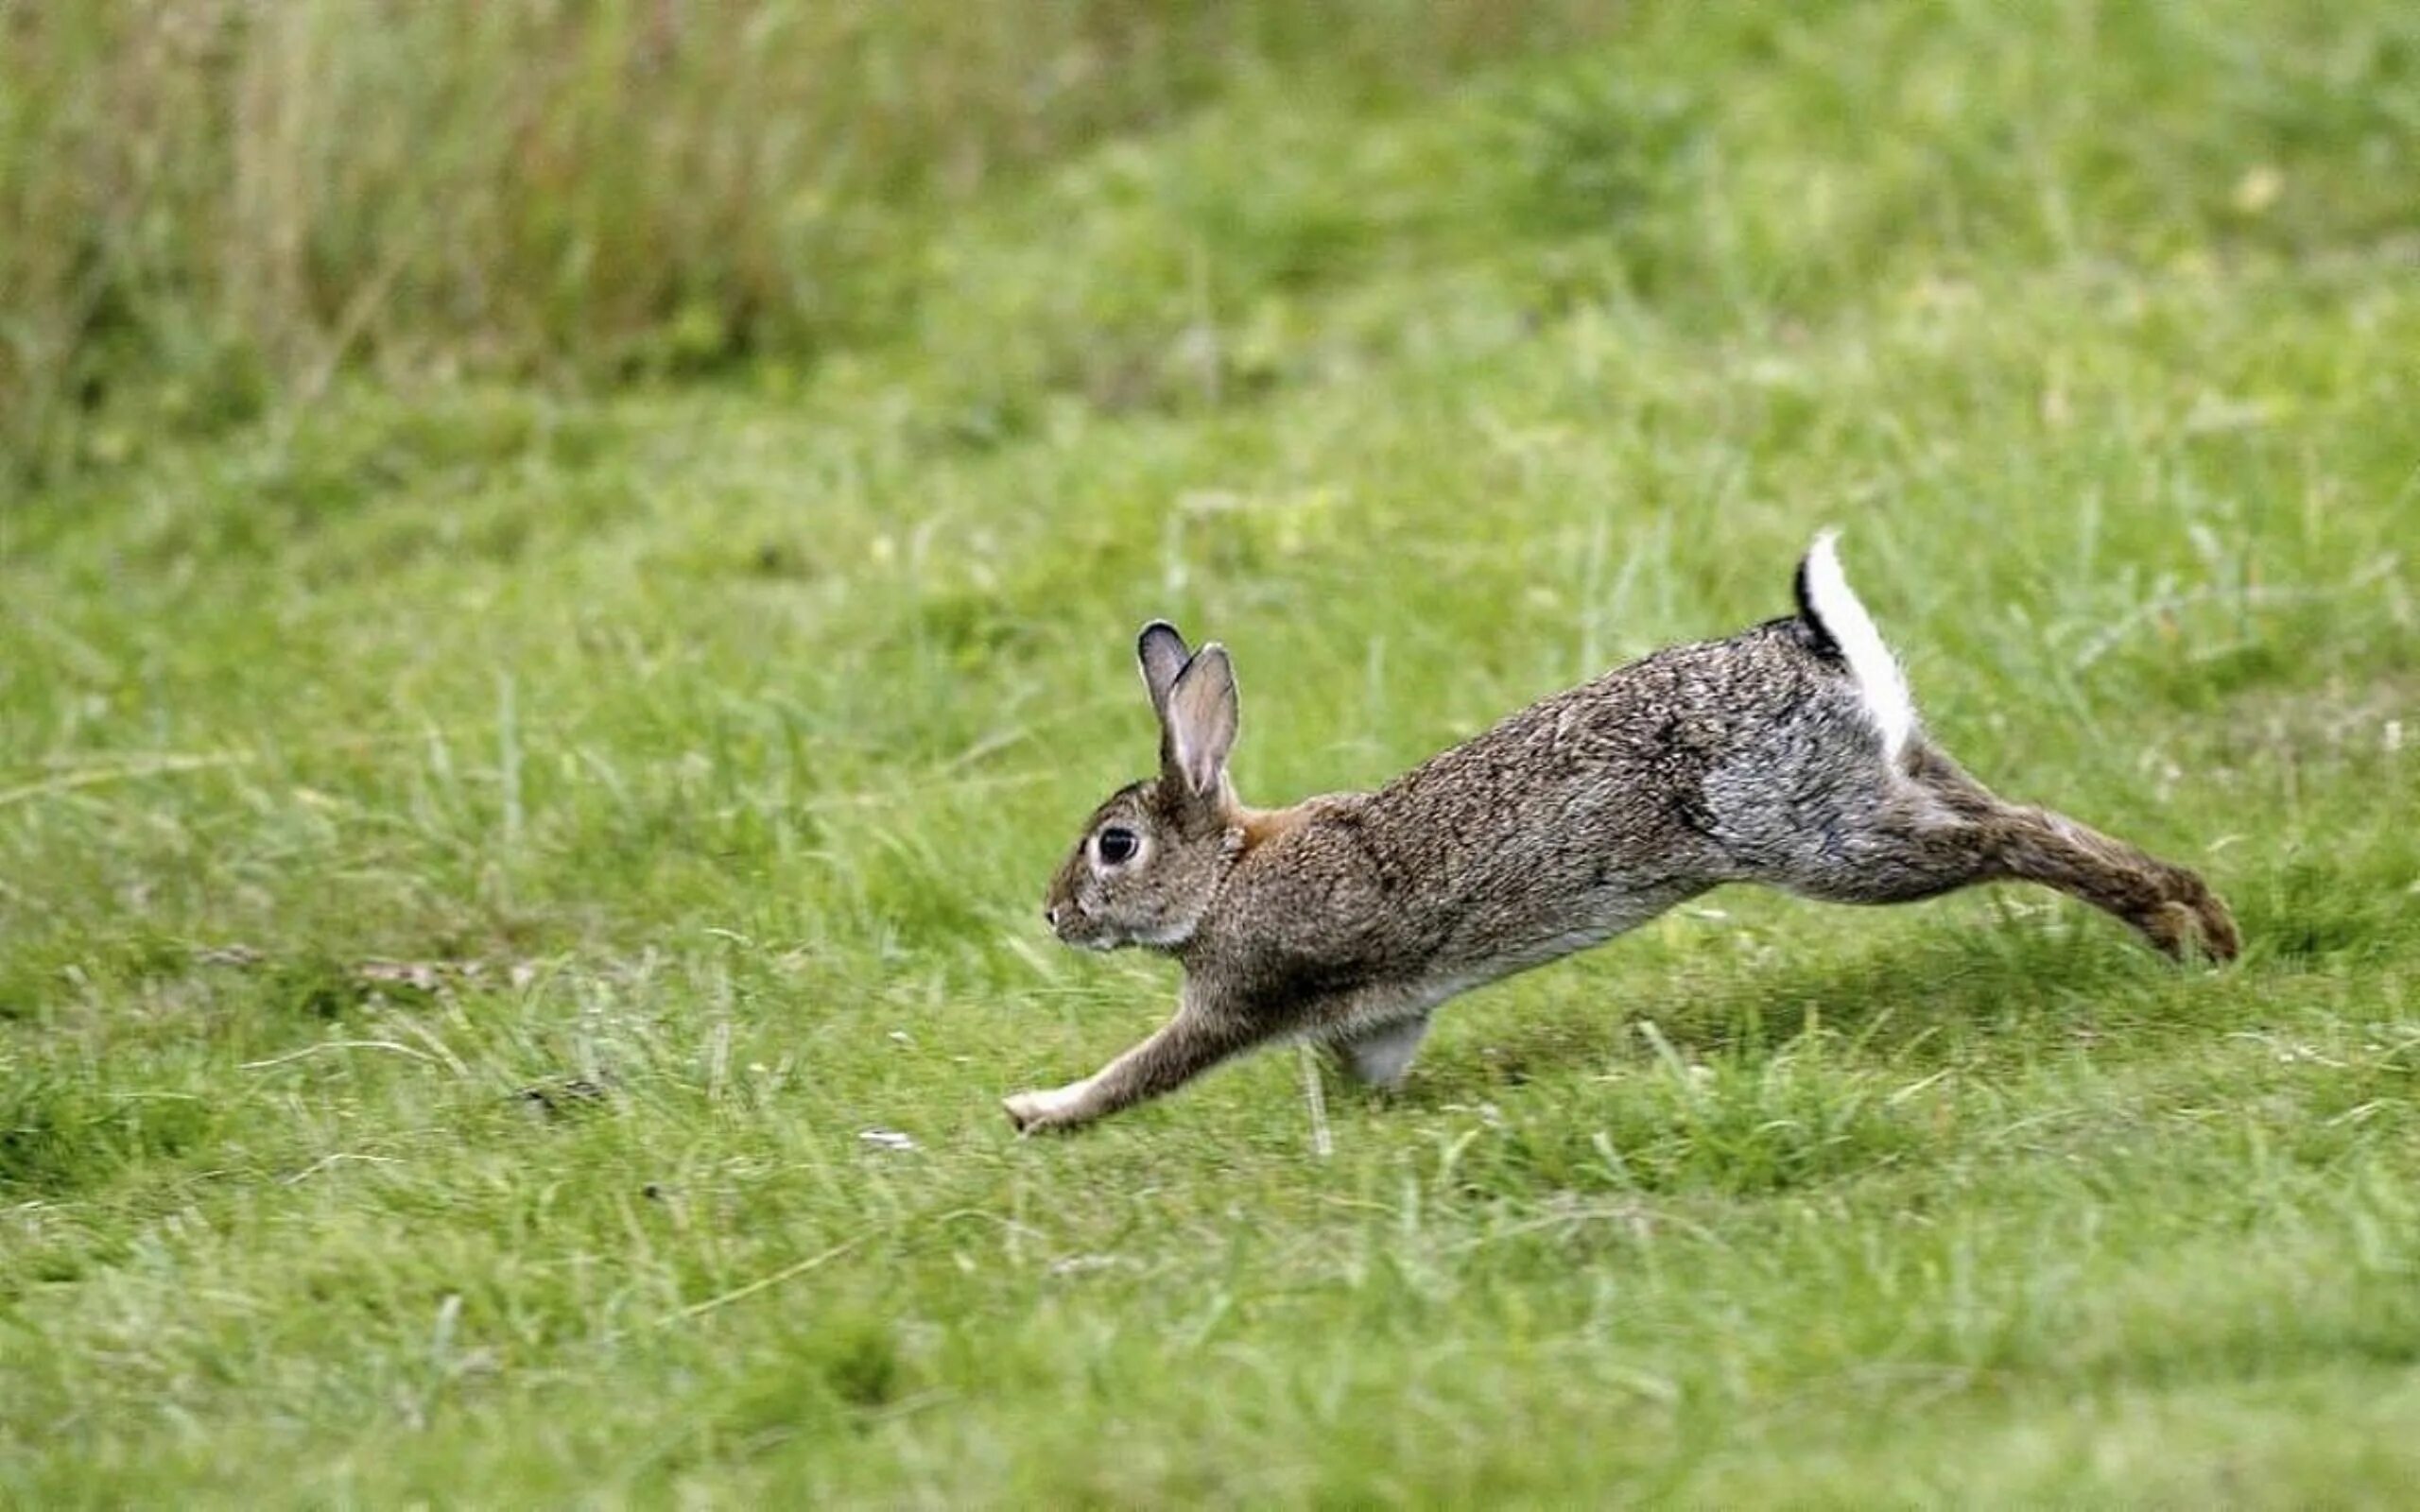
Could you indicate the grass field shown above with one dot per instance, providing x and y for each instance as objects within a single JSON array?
[{"x": 479, "y": 855}]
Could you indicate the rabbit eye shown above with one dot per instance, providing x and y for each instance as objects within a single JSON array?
[{"x": 1115, "y": 845}]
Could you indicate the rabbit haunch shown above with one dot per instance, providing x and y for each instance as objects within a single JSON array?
[{"x": 1789, "y": 754}]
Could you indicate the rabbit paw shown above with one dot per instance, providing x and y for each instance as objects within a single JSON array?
[{"x": 1033, "y": 1113}]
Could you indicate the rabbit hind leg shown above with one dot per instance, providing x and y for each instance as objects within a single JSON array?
[
  {"x": 1951, "y": 832},
  {"x": 1378, "y": 1056}
]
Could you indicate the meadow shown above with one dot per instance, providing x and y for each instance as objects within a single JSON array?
[{"x": 532, "y": 734}]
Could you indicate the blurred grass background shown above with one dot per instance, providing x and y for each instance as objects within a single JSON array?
[
  {"x": 212, "y": 206},
  {"x": 216, "y": 202}
]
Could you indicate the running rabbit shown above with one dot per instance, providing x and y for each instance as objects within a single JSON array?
[{"x": 1789, "y": 754}]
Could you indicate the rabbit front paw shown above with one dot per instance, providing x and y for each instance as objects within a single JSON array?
[{"x": 1033, "y": 1113}]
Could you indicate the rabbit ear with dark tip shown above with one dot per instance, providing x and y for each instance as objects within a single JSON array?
[
  {"x": 1162, "y": 654},
  {"x": 1197, "y": 728}
]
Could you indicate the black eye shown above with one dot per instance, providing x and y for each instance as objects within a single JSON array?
[{"x": 1115, "y": 844}]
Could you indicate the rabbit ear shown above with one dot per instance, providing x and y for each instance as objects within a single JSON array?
[
  {"x": 1198, "y": 726},
  {"x": 1162, "y": 654}
]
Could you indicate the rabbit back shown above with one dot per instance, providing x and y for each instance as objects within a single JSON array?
[{"x": 1566, "y": 823}]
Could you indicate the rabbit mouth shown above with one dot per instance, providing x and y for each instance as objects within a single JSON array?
[
  {"x": 1092, "y": 933},
  {"x": 1087, "y": 935},
  {"x": 1083, "y": 933}
]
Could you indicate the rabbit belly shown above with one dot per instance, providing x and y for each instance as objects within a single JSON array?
[{"x": 1499, "y": 947}]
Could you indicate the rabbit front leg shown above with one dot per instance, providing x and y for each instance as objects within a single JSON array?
[{"x": 1180, "y": 1049}]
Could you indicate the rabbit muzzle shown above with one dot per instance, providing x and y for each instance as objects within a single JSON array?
[{"x": 1075, "y": 926}]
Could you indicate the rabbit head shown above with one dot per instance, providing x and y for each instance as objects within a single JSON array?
[{"x": 1150, "y": 858}]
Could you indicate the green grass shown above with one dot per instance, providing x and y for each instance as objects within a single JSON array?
[{"x": 692, "y": 754}]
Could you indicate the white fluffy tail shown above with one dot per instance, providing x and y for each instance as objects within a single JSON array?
[{"x": 1824, "y": 597}]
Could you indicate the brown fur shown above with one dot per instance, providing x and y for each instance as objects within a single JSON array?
[{"x": 1260, "y": 826}]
